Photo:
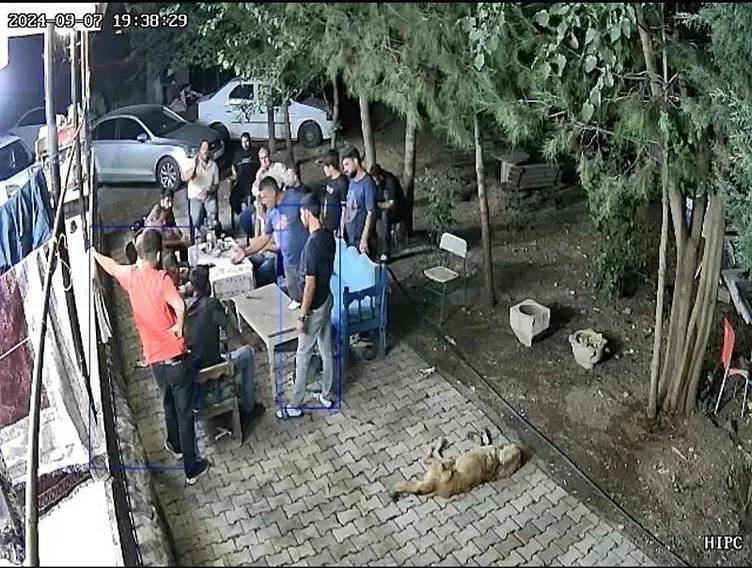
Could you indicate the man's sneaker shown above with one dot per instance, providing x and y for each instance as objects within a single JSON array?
[
  {"x": 325, "y": 402},
  {"x": 289, "y": 412},
  {"x": 169, "y": 448},
  {"x": 201, "y": 466}
]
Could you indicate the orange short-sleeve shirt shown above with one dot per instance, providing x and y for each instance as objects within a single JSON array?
[{"x": 149, "y": 291}]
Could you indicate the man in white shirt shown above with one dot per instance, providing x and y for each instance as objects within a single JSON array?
[
  {"x": 203, "y": 181},
  {"x": 268, "y": 168}
]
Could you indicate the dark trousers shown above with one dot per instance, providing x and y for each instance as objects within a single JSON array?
[{"x": 175, "y": 382}]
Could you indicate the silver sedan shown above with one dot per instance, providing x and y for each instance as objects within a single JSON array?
[{"x": 148, "y": 143}]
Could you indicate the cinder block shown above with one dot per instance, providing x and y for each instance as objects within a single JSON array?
[{"x": 528, "y": 319}]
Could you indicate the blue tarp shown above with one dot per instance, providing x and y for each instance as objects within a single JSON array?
[{"x": 25, "y": 221}]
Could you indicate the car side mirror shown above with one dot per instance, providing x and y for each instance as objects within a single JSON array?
[{"x": 142, "y": 137}]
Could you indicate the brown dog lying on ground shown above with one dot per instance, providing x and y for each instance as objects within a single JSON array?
[{"x": 448, "y": 477}]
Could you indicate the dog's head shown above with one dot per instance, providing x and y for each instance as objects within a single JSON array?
[{"x": 509, "y": 458}]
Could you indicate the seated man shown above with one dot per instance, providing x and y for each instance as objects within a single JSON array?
[
  {"x": 204, "y": 318},
  {"x": 162, "y": 217}
]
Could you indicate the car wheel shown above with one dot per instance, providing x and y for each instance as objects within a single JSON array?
[
  {"x": 310, "y": 135},
  {"x": 168, "y": 173},
  {"x": 221, "y": 129}
]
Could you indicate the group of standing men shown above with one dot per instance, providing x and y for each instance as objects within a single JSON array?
[{"x": 292, "y": 228}]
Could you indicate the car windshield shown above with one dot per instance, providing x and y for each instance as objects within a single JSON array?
[
  {"x": 14, "y": 158},
  {"x": 160, "y": 121}
]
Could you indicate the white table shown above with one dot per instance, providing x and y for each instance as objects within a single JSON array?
[
  {"x": 266, "y": 311},
  {"x": 227, "y": 280}
]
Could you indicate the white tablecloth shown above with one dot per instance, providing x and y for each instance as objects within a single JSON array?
[{"x": 227, "y": 279}]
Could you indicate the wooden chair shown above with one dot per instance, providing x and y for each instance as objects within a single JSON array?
[
  {"x": 217, "y": 373},
  {"x": 442, "y": 274},
  {"x": 729, "y": 338}
]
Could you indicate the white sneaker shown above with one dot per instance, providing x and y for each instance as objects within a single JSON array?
[{"x": 325, "y": 402}]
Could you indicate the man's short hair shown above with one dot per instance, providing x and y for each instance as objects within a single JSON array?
[
  {"x": 149, "y": 245},
  {"x": 245, "y": 135},
  {"x": 331, "y": 159},
  {"x": 200, "y": 280},
  {"x": 265, "y": 149},
  {"x": 353, "y": 154},
  {"x": 168, "y": 193},
  {"x": 268, "y": 183},
  {"x": 312, "y": 203},
  {"x": 376, "y": 171}
]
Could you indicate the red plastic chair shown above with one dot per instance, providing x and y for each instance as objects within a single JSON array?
[{"x": 729, "y": 338}]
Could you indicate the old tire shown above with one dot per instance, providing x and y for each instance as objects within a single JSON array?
[
  {"x": 168, "y": 173},
  {"x": 309, "y": 134}
]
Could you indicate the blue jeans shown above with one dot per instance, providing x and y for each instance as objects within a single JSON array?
[
  {"x": 198, "y": 211},
  {"x": 242, "y": 360},
  {"x": 264, "y": 267},
  {"x": 175, "y": 383}
]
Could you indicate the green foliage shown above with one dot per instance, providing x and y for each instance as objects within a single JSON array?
[{"x": 442, "y": 200}]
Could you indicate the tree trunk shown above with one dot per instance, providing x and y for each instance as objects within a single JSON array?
[
  {"x": 488, "y": 279},
  {"x": 335, "y": 112},
  {"x": 655, "y": 363},
  {"x": 658, "y": 333},
  {"x": 408, "y": 172},
  {"x": 271, "y": 130},
  {"x": 711, "y": 269},
  {"x": 369, "y": 146},
  {"x": 683, "y": 393},
  {"x": 288, "y": 133}
]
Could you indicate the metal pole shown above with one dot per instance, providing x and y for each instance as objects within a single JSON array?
[
  {"x": 32, "y": 446},
  {"x": 75, "y": 84}
]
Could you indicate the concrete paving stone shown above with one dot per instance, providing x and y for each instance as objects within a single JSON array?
[
  {"x": 549, "y": 553},
  {"x": 603, "y": 544},
  {"x": 448, "y": 560},
  {"x": 284, "y": 542},
  {"x": 467, "y": 553},
  {"x": 511, "y": 542},
  {"x": 586, "y": 543},
  {"x": 270, "y": 531},
  {"x": 570, "y": 556},
  {"x": 345, "y": 531},
  {"x": 261, "y": 550},
  {"x": 404, "y": 554},
  {"x": 347, "y": 516},
  {"x": 287, "y": 526},
  {"x": 405, "y": 535},
  {"x": 340, "y": 550},
  {"x": 406, "y": 519},
  {"x": 302, "y": 551},
  {"x": 530, "y": 548},
  {"x": 387, "y": 560},
  {"x": 280, "y": 559},
  {"x": 224, "y": 549}
]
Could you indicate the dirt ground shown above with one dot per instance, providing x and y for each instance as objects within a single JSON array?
[{"x": 681, "y": 479}]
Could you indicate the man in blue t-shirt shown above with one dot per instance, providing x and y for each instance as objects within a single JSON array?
[
  {"x": 284, "y": 226},
  {"x": 360, "y": 212}
]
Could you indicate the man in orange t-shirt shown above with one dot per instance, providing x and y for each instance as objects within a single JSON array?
[{"x": 159, "y": 312}]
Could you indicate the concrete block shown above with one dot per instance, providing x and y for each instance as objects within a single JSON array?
[{"x": 528, "y": 319}]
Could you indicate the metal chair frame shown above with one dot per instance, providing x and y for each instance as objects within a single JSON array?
[{"x": 446, "y": 250}]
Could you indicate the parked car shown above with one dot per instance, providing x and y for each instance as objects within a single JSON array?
[
  {"x": 27, "y": 127},
  {"x": 148, "y": 143},
  {"x": 16, "y": 163},
  {"x": 237, "y": 108}
]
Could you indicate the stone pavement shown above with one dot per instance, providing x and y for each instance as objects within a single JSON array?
[{"x": 313, "y": 491}]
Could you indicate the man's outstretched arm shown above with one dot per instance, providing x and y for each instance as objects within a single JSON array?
[{"x": 110, "y": 266}]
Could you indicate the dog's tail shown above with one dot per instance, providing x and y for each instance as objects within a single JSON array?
[{"x": 401, "y": 487}]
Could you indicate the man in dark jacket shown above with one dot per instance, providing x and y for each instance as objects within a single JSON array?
[{"x": 204, "y": 318}]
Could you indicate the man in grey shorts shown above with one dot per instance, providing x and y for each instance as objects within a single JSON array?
[{"x": 314, "y": 323}]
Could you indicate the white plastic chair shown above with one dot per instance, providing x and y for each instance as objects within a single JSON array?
[{"x": 443, "y": 275}]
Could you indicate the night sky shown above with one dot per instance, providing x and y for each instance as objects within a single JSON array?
[{"x": 22, "y": 81}]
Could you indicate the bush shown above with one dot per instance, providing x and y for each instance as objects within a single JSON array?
[{"x": 442, "y": 199}]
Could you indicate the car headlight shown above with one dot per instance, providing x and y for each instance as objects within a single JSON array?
[{"x": 191, "y": 151}]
